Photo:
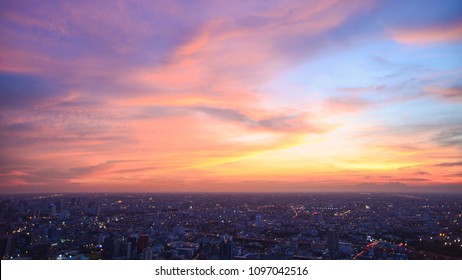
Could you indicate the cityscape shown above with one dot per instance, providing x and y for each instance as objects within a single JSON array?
[{"x": 238, "y": 226}]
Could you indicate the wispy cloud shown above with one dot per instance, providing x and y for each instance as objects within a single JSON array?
[
  {"x": 282, "y": 123},
  {"x": 449, "y": 164},
  {"x": 451, "y": 94},
  {"x": 450, "y": 137},
  {"x": 451, "y": 32}
]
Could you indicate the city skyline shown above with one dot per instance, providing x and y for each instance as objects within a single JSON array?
[
  {"x": 260, "y": 96},
  {"x": 302, "y": 226}
]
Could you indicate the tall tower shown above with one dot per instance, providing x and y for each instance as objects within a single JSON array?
[
  {"x": 126, "y": 250},
  {"x": 226, "y": 248},
  {"x": 7, "y": 246},
  {"x": 258, "y": 219},
  {"x": 333, "y": 243},
  {"x": 53, "y": 210},
  {"x": 147, "y": 253},
  {"x": 108, "y": 248},
  {"x": 143, "y": 242}
]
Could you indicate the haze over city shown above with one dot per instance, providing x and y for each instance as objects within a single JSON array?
[{"x": 230, "y": 96}]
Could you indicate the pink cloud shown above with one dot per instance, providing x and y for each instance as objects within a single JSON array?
[
  {"x": 450, "y": 94},
  {"x": 346, "y": 104},
  {"x": 429, "y": 35}
]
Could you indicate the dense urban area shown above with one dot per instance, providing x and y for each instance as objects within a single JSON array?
[{"x": 231, "y": 226}]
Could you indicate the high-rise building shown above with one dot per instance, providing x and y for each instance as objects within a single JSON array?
[
  {"x": 108, "y": 248},
  {"x": 118, "y": 243},
  {"x": 333, "y": 243},
  {"x": 258, "y": 219},
  {"x": 126, "y": 250},
  {"x": 53, "y": 210},
  {"x": 61, "y": 204},
  {"x": 7, "y": 246},
  {"x": 36, "y": 213},
  {"x": 134, "y": 251},
  {"x": 147, "y": 253},
  {"x": 143, "y": 242},
  {"x": 226, "y": 248}
]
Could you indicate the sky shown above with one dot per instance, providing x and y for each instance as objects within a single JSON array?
[{"x": 220, "y": 96}]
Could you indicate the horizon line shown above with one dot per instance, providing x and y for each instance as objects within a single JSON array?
[{"x": 237, "y": 192}]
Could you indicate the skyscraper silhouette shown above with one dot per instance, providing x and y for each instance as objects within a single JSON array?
[
  {"x": 226, "y": 248},
  {"x": 333, "y": 243}
]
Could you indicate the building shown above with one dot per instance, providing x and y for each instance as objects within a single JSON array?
[
  {"x": 134, "y": 251},
  {"x": 147, "y": 253},
  {"x": 333, "y": 243},
  {"x": 126, "y": 250},
  {"x": 143, "y": 242},
  {"x": 317, "y": 218},
  {"x": 258, "y": 220},
  {"x": 53, "y": 212},
  {"x": 7, "y": 246},
  {"x": 226, "y": 248},
  {"x": 108, "y": 251}
]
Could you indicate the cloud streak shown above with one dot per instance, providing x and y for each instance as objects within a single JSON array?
[{"x": 429, "y": 35}]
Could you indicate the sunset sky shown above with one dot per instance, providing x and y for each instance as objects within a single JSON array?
[{"x": 230, "y": 95}]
